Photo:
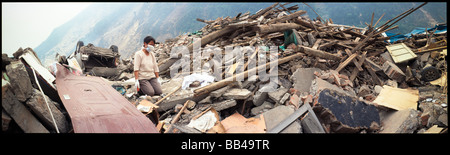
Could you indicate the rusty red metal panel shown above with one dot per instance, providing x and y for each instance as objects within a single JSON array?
[{"x": 95, "y": 107}]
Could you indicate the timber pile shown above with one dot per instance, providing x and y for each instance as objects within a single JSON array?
[{"x": 348, "y": 59}]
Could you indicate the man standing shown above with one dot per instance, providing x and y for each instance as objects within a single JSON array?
[{"x": 146, "y": 71}]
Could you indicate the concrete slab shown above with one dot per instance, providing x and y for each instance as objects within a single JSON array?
[
  {"x": 303, "y": 78},
  {"x": 403, "y": 121},
  {"x": 39, "y": 107},
  {"x": 344, "y": 113}
]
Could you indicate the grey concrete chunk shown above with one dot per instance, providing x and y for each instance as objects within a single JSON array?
[
  {"x": 277, "y": 95},
  {"x": 19, "y": 112},
  {"x": 39, "y": 107},
  {"x": 237, "y": 94},
  {"x": 303, "y": 78},
  {"x": 19, "y": 80},
  {"x": 263, "y": 108}
]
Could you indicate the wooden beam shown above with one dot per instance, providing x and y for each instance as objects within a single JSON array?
[
  {"x": 319, "y": 53},
  {"x": 177, "y": 117},
  {"x": 346, "y": 62},
  {"x": 356, "y": 70},
  {"x": 358, "y": 65},
  {"x": 378, "y": 20}
]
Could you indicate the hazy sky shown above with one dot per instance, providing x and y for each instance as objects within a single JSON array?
[{"x": 29, "y": 24}]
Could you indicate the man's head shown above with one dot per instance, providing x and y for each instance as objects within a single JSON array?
[{"x": 149, "y": 40}]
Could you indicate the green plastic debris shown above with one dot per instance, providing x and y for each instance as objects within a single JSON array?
[{"x": 289, "y": 37}]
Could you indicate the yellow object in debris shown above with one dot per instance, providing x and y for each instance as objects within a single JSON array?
[
  {"x": 434, "y": 129},
  {"x": 442, "y": 81},
  {"x": 398, "y": 99},
  {"x": 237, "y": 123}
]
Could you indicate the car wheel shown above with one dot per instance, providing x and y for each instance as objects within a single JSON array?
[
  {"x": 430, "y": 74},
  {"x": 114, "y": 48}
]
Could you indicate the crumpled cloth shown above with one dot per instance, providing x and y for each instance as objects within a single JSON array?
[{"x": 204, "y": 79}]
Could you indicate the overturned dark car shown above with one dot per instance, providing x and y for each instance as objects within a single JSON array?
[
  {"x": 92, "y": 56},
  {"x": 97, "y": 61}
]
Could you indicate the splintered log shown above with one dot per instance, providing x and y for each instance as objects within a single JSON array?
[
  {"x": 263, "y": 29},
  {"x": 346, "y": 62},
  {"x": 227, "y": 81},
  {"x": 358, "y": 65},
  {"x": 319, "y": 53}
]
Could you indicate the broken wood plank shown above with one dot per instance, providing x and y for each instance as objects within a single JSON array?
[
  {"x": 251, "y": 58},
  {"x": 356, "y": 70},
  {"x": 319, "y": 53},
  {"x": 168, "y": 95},
  {"x": 327, "y": 45},
  {"x": 177, "y": 117},
  {"x": 358, "y": 65},
  {"x": 346, "y": 62},
  {"x": 316, "y": 44},
  {"x": 195, "y": 117}
]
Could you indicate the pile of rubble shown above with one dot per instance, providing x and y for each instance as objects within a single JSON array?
[
  {"x": 27, "y": 95},
  {"x": 330, "y": 79}
]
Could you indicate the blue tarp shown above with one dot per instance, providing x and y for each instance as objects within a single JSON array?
[{"x": 418, "y": 30}]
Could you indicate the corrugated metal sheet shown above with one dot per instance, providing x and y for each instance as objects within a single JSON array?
[{"x": 95, "y": 107}]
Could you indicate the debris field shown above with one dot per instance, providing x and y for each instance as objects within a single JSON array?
[{"x": 330, "y": 78}]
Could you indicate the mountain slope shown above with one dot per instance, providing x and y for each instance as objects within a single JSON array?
[{"x": 126, "y": 24}]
